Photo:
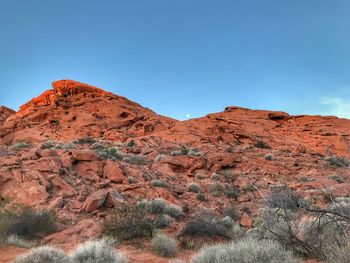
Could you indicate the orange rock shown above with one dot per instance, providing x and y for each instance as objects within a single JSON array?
[
  {"x": 85, "y": 155},
  {"x": 95, "y": 200},
  {"x": 113, "y": 172},
  {"x": 246, "y": 221}
]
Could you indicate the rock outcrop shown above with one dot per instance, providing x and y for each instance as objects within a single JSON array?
[{"x": 87, "y": 150}]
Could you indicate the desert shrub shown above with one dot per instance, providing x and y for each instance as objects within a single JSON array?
[
  {"x": 338, "y": 161},
  {"x": 215, "y": 189},
  {"x": 245, "y": 251},
  {"x": 136, "y": 160},
  {"x": 339, "y": 178},
  {"x": 131, "y": 180},
  {"x": 98, "y": 146},
  {"x": 129, "y": 222},
  {"x": 194, "y": 152},
  {"x": 340, "y": 253},
  {"x": 164, "y": 246},
  {"x": 29, "y": 224},
  {"x": 232, "y": 192},
  {"x": 114, "y": 154},
  {"x": 262, "y": 145},
  {"x": 157, "y": 206},
  {"x": 130, "y": 144},
  {"x": 43, "y": 254},
  {"x": 18, "y": 242},
  {"x": 174, "y": 211},
  {"x": 48, "y": 144},
  {"x": 193, "y": 187},
  {"x": 99, "y": 251},
  {"x": 205, "y": 224},
  {"x": 176, "y": 153},
  {"x": 176, "y": 261},
  {"x": 269, "y": 157},
  {"x": 20, "y": 145},
  {"x": 283, "y": 197},
  {"x": 159, "y": 157},
  {"x": 162, "y": 221},
  {"x": 85, "y": 140},
  {"x": 201, "y": 197},
  {"x": 232, "y": 212},
  {"x": 215, "y": 177},
  {"x": 65, "y": 146},
  {"x": 158, "y": 183}
]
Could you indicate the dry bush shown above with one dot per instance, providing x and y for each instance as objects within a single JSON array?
[
  {"x": 164, "y": 246},
  {"x": 98, "y": 251},
  {"x": 129, "y": 222},
  {"x": 245, "y": 251},
  {"x": 43, "y": 254}
]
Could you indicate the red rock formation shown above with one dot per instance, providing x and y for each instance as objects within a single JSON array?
[{"x": 249, "y": 150}]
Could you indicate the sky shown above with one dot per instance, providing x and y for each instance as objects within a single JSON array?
[{"x": 182, "y": 58}]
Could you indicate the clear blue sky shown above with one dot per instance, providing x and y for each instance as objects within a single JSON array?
[{"x": 181, "y": 57}]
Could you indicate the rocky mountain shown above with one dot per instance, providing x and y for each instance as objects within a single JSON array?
[{"x": 79, "y": 151}]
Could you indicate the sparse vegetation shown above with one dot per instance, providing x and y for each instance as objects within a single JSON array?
[
  {"x": 164, "y": 246},
  {"x": 201, "y": 197},
  {"x": 158, "y": 183},
  {"x": 99, "y": 251},
  {"x": 338, "y": 161},
  {"x": 26, "y": 224},
  {"x": 245, "y": 251},
  {"x": 85, "y": 140},
  {"x": 262, "y": 145},
  {"x": 205, "y": 224},
  {"x": 43, "y": 254},
  {"x": 129, "y": 222},
  {"x": 173, "y": 211},
  {"x": 136, "y": 160},
  {"x": 131, "y": 180},
  {"x": 215, "y": 189},
  {"x": 162, "y": 221},
  {"x": 269, "y": 157},
  {"x": 193, "y": 187},
  {"x": 48, "y": 145},
  {"x": 20, "y": 145}
]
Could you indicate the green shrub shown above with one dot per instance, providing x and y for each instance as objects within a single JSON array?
[
  {"x": 28, "y": 224},
  {"x": 20, "y": 145},
  {"x": 269, "y": 157},
  {"x": 85, "y": 140},
  {"x": 43, "y": 254},
  {"x": 162, "y": 221},
  {"x": 100, "y": 251},
  {"x": 136, "y": 160},
  {"x": 174, "y": 211},
  {"x": 158, "y": 183},
  {"x": 245, "y": 251},
  {"x": 164, "y": 246},
  {"x": 129, "y": 222},
  {"x": 201, "y": 197},
  {"x": 193, "y": 187},
  {"x": 215, "y": 189},
  {"x": 48, "y": 144},
  {"x": 232, "y": 192},
  {"x": 131, "y": 180},
  {"x": 157, "y": 206},
  {"x": 262, "y": 145},
  {"x": 283, "y": 197},
  {"x": 338, "y": 161},
  {"x": 205, "y": 224}
]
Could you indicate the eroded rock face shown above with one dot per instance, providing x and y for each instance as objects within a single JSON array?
[
  {"x": 5, "y": 113},
  {"x": 234, "y": 156}
]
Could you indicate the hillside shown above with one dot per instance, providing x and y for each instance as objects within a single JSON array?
[{"x": 79, "y": 151}]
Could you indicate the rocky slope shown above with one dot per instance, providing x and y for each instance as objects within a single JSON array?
[{"x": 79, "y": 151}]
